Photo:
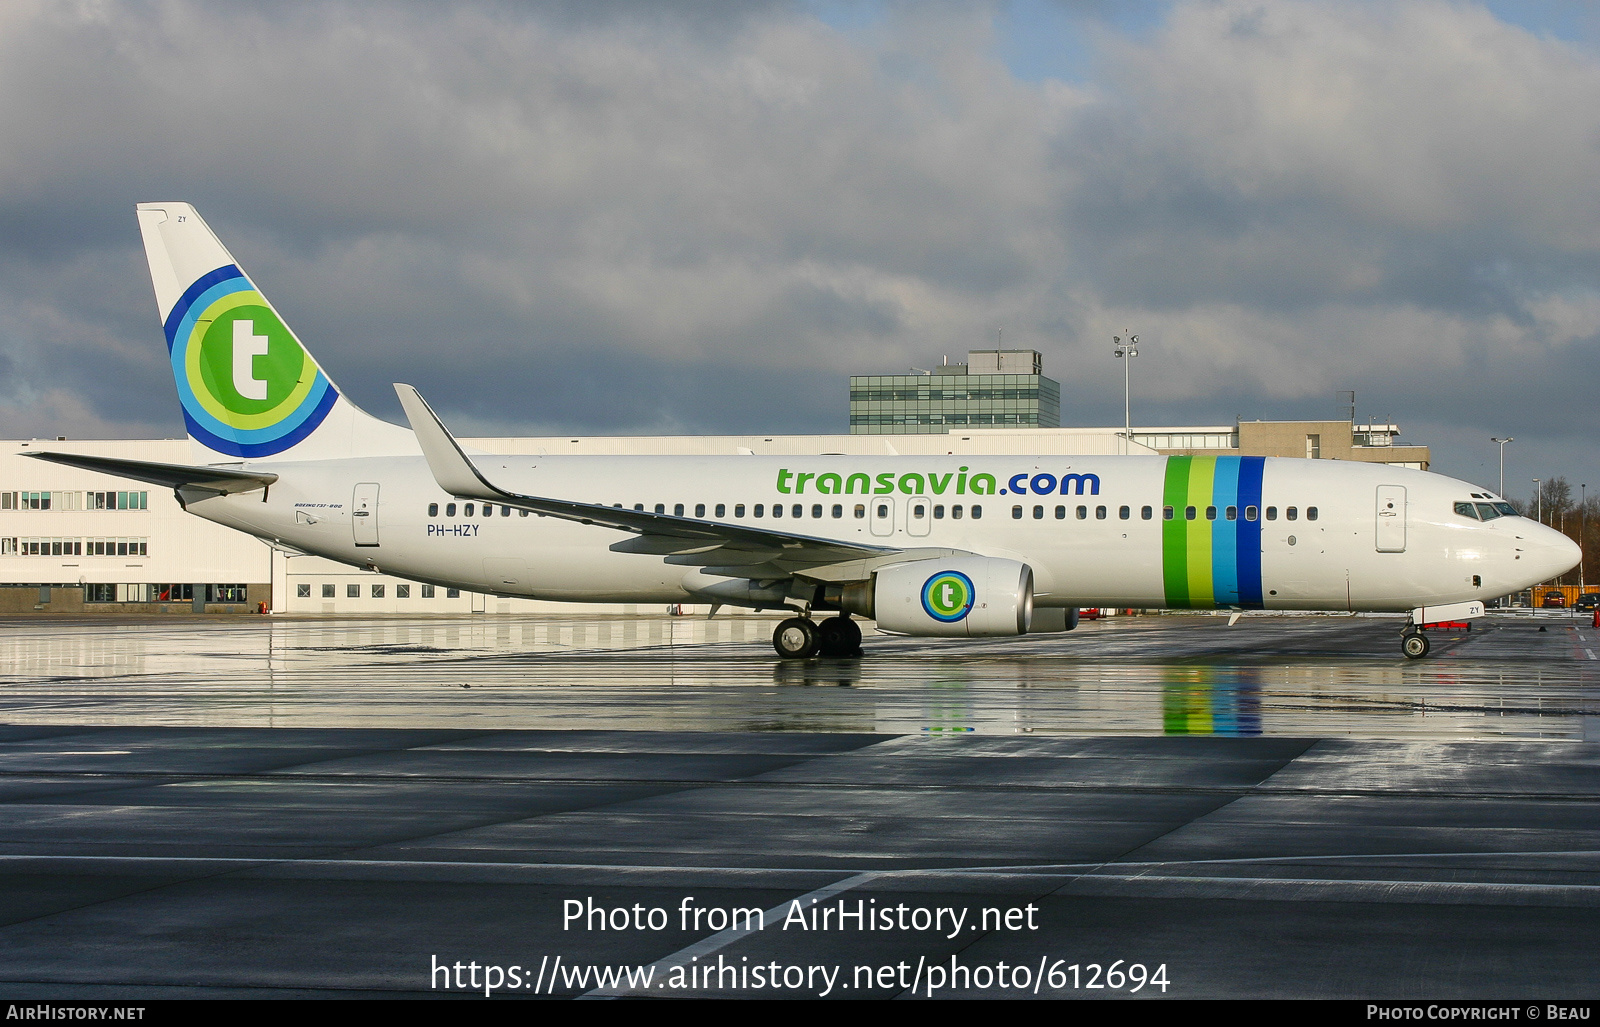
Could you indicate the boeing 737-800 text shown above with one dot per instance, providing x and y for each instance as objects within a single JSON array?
[{"x": 943, "y": 546}]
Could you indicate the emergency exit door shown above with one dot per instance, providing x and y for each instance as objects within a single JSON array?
[
  {"x": 1391, "y": 515},
  {"x": 364, "y": 514}
]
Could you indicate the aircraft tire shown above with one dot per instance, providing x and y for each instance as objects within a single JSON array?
[
  {"x": 1414, "y": 645},
  {"x": 838, "y": 636},
  {"x": 795, "y": 639}
]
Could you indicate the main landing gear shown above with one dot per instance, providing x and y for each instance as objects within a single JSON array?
[
  {"x": 1413, "y": 642},
  {"x": 800, "y": 638}
]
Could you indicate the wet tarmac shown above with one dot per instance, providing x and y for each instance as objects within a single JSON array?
[{"x": 269, "y": 807}]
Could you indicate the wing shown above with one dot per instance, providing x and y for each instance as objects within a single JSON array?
[{"x": 731, "y": 550}]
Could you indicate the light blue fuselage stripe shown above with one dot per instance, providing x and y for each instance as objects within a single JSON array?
[{"x": 1224, "y": 533}]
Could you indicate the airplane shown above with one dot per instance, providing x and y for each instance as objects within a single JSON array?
[{"x": 939, "y": 546}]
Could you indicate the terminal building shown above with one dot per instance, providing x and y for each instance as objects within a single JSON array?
[{"x": 994, "y": 388}]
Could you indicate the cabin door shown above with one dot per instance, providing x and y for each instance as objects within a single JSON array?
[
  {"x": 364, "y": 514},
  {"x": 1391, "y": 514}
]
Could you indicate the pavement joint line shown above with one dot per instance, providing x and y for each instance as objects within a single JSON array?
[{"x": 722, "y": 939}]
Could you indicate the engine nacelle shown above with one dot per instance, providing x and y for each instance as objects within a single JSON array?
[{"x": 960, "y": 597}]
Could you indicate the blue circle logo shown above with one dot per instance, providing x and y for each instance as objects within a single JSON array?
[{"x": 948, "y": 596}]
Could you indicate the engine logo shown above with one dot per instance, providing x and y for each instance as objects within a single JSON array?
[{"x": 947, "y": 596}]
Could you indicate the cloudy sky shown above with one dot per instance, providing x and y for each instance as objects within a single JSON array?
[{"x": 704, "y": 216}]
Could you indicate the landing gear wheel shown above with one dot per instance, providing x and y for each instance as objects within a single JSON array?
[
  {"x": 1414, "y": 645},
  {"x": 838, "y": 636},
  {"x": 795, "y": 639}
]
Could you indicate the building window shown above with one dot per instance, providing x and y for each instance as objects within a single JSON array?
[
  {"x": 377, "y": 591},
  {"x": 402, "y": 591},
  {"x": 1313, "y": 447},
  {"x": 452, "y": 593},
  {"x": 427, "y": 591},
  {"x": 327, "y": 591},
  {"x": 352, "y": 591},
  {"x": 302, "y": 591}
]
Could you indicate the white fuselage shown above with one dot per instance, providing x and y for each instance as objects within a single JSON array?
[{"x": 1108, "y": 541}]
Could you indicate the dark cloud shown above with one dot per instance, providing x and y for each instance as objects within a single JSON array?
[{"x": 703, "y": 217}]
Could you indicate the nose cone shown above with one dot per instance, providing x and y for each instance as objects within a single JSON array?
[{"x": 1551, "y": 553}]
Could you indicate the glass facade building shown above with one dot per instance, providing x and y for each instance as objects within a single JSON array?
[{"x": 983, "y": 393}]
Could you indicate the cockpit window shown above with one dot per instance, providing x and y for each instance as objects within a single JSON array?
[
  {"x": 1487, "y": 511},
  {"x": 1506, "y": 509},
  {"x": 1466, "y": 510}
]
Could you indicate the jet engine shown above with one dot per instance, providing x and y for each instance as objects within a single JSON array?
[{"x": 959, "y": 597}]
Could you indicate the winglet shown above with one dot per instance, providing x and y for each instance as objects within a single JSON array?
[{"x": 450, "y": 466}]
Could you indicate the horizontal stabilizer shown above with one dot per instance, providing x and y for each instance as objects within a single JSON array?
[{"x": 221, "y": 480}]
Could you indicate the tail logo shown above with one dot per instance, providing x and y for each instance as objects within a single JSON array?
[
  {"x": 947, "y": 596},
  {"x": 248, "y": 387}
]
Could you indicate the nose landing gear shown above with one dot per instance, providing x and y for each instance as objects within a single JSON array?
[
  {"x": 1413, "y": 642},
  {"x": 800, "y": 638}
]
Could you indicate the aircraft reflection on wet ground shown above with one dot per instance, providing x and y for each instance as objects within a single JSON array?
[{"x": 1305, "y": 676}]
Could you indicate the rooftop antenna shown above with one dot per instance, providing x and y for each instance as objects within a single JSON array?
[{"x": 1351, "y": 402}]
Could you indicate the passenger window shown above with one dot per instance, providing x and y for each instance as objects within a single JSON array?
[
  {"x": 433, "y": 509},
  {"x": 722, "y": 510},
  {"x": 1145, "y": 513},
  {"x": 1272, "y": 513},
  {"x": 699, "y": 509},
  {"x": 938, "y": 513},
  {"x": 449, "y": 509},
  {"x": 1211, "y": 513},
  {"x": 777, "y": 510},
  {"x": 1188, "y": 513},
  {"x": 1232, "y": 513},
  {"x": 677, "y": 509},
  {"x": 505, "y": 511},
  {"x": 1038, "y": 513},
  {"x": 1061, "y": 513},
  {"x": 1083, "y": 513},
  {"x": 797, "y": 511},
  {"x": 1250, "y": 513},
  {"x": 1293, "y": 513},
  {"x": 1124, "y": 512},
  {"x": 488, "y": 509},
  {"x": 1166, "y": 513},
  {"x": 955, "y": 512},
  {"x": 861, "y": 511},
  {"x": 759, "y": 509},
  {"x": 661, "y": 508},
  {"x": 639, "y": 507},
  {"x": 1016, "y": 513},
  {"x": 977, "y": 511},
  {"x": 816, "y": 510},
  {"x": 883, "y": 509},
  {"x": 738, "y": 509},
  {"x": 466, "y": 511},
  {"x": 1311, "y": 513},
  {"x": 524, "y": 513},
  {"x": 1099, "y": 513},
  {"x": 838, "y": 511}
]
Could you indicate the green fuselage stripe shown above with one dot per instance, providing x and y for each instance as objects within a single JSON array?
[{"x": 1175, "y": 532}]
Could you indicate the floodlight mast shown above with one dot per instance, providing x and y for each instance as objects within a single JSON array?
[
  {"x": 1126, "y": 351},
  {"x": 1502, "y": 443}
]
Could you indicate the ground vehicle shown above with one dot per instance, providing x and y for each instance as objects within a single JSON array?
[
  {"x": 1552, "y": 601},
  {"x": 1587, "y": 601}
]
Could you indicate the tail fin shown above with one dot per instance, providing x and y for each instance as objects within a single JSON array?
[{"x": 249, "y": 388}]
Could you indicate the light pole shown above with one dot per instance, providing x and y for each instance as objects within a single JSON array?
[
  {"x": 1538, "y": 501},
  {"x": 1503, "y": 462},
  {"x": 1126, "y": 351},
  {"x": 1583, "y": 523}
]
